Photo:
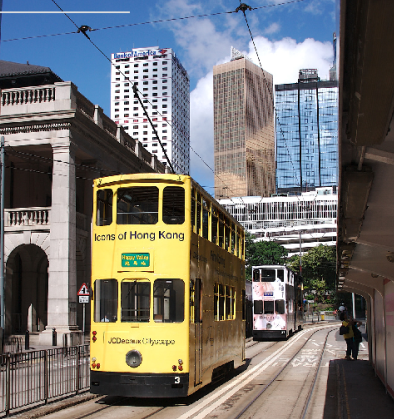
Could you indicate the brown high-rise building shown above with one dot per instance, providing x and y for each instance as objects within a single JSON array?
[{"x": 244, "y": 135}]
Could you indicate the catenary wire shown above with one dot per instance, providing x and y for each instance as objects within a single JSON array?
[{"x": 150, "y": 22}]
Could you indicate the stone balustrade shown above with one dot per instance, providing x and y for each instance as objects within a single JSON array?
[
  {"x": 27, "y": 218},
  {"x": 65, "y": 97},
  {"x": 29, "y": 95}
]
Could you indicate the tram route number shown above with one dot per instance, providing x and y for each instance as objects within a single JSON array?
[{"x": 177, "y": 380}]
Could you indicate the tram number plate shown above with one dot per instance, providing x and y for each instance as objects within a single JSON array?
[
  {"x": 177, "y": 380},
  {"x": 130, "y": 260},
  {"x": 268, "y": 294}
]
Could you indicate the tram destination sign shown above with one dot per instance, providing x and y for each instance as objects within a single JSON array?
[{"x": 130, "y": 260}]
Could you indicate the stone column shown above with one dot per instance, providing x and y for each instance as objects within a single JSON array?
[{"x": 62, "y": 289}]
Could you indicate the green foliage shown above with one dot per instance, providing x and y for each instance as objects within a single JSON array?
[
  {"x": 318, "y": 270},
  {"x": 262, "y": 253}
]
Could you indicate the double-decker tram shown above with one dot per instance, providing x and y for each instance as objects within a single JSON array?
[
  {"x": 168, "y": 284},
  {"x": 277, "y": 302}
]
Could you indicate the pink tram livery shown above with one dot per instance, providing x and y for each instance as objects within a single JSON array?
[{"x": 277, "y": 302}]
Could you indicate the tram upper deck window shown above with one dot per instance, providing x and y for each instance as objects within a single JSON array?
[
  {"x": 168, "y": 301},
  {"x": 104, "y": 207},
  {"x": 280, "y": 275},
  {"x": 135, "y": 298},
  {"x": 267, "y": 275},
  {"x": 138, "y": 205},
  {"x": 105, "y": 300},
  {"x": 173, "y": 205},
  {"x": 205, "y": 218},
  {"x": 256, "y": 275}
]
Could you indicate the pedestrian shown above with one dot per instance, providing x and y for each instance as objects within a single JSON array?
[
  {"x": 357, "y": 339},
  {"x": 348, "y": 336}
]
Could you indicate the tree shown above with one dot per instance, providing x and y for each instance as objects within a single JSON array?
[
  {"x": 262, "y": 253},
  {"x": 318, "y": 270}
]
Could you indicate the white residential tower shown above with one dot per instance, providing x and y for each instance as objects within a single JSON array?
[{"x": 164, "y": 87}]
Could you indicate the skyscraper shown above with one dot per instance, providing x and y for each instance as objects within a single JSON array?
[
  {"x": 244, "y": 137},
  {"x": 306, "y": 133},
  {"x": 165, "y": 88}
]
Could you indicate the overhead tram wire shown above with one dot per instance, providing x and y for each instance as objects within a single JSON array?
[
  {"x": 147, "y": 22},
  {"x": 244, "y": 7},
  {"x": 83, "y": 29}
]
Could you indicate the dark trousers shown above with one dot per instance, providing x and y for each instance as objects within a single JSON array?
[{"x": 350, "y": 350}]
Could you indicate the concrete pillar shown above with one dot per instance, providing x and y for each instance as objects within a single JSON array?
[{"x": 62, "y": 288}]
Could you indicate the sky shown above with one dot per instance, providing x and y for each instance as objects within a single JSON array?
[{"x": 288, "y": 37}]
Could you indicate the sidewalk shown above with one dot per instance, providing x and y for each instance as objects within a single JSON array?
[{"x": 353, "y": 390}]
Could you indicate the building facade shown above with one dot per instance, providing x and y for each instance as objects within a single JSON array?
[
  {"x": 244, "y": 140},
  {"x": 56, "y": 143},
  {"x": 306, "y": 133},
  {"x": 164, "y": 87},
  {"x": 298, "y": 223}
]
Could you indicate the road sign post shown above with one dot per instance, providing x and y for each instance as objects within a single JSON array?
[{"x": 84, "y": 298}]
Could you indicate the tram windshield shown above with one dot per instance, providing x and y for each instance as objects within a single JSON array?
[
  {"x": 268, "y": 275},
  {"x": 138, "y": 205}
]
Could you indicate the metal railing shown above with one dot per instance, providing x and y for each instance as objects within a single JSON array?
[{"x": 39, "y": 376}]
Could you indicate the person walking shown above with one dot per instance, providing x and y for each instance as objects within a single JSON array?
[{"x": 350, "y": 349}]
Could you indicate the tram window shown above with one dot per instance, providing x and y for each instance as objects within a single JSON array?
[
  {"x": 280, "y": 306},
  {"x": 233, "y": 242},
  {"x": 205, "y": 220},
  {"x": 105, "y": 300},
  {"x": 173, "y": 205},
  {"x": 104, "y": 207},
  {"x": 221, "y": 301},
  {"x": 268, "y": 307},
  {"x": 228, "y": 237},
  {"x": 256, "y": 275},
  {"x": 230, "y": 303},
  {"x": 267, "y": 275},
  {"x": 214, "y": 226},
  {"x": 258, "y": 307},
  {"x": 221, "y": 230},
  {"x": 135, "y": 301},
  {"x": 193, "y": 214},
  {"x": 280, "y": 275},
  {"x": 138, "y": 205},
  {"x": 168, "y": 301},
  {"x": 198, "y": 214}
]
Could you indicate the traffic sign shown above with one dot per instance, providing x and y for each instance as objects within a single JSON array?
[
  {"x": 84, "y": 290},
  {"x": 83, "y": 299}
]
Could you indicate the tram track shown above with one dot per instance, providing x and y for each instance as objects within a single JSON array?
[
  {"x": 304, "y": 412},
  {"x": 226, "y": 396}
]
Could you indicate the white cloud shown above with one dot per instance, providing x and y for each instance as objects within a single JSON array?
[
  {"x": 283, "y": 59},
  {"x": 273, "y": 28}
]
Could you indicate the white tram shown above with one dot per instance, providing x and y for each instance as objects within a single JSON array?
[{"x": 277, "y": 302}]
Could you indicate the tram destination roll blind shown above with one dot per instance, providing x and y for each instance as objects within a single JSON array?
[{"x": 135, "y": 259}]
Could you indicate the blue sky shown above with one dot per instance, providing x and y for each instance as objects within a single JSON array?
[{"x": 288, "y": 37}]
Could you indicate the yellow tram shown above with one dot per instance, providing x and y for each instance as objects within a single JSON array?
[{"x": 168, "y": 283}]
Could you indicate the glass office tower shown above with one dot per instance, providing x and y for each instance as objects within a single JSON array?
[{"x": 306, "y": 133}]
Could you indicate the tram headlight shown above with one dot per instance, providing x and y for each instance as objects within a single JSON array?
[
  {"x": 133, "y": 358},
  {"x": 180, "y": 362}
]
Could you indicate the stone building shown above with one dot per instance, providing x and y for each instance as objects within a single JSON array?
[{"x": 56, "y": 143}]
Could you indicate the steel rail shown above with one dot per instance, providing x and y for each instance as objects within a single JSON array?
[{"x": 278, "y": 374}]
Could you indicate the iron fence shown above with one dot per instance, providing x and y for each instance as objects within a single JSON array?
[{"x": 39, "y": 376}]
